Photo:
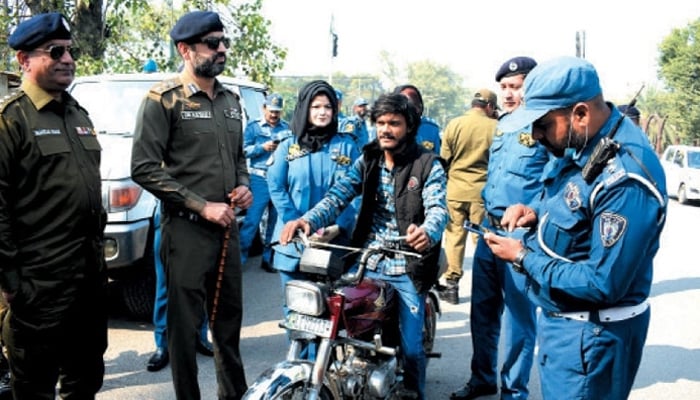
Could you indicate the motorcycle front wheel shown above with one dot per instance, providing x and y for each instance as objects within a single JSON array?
[{"x": 297, "y": 392}]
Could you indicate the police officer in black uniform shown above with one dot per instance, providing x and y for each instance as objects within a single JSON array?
[
  {"x": 52, "y": 267},
  {"x": 188, "y": 152}
]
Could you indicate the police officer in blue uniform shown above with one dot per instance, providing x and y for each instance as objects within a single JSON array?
[
  {"x": 260, "y": 140},
  {"x": 355, "y": 125},
  {"x": 305, "y": 166},
  {"x": 588, "y": 261},
  {"x": 429, "y": 131},
  {"x": 515, "y": 166}
]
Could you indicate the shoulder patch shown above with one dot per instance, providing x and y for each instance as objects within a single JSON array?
[
  {"x": 612, "y": 227},
  {"x": 165, "y": 85}
]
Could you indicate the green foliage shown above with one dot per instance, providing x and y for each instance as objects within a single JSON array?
[
  {"x": 120, "y": 35},
  {"x": 442, "y": 89},
  {"x": 679, "y": 63}
]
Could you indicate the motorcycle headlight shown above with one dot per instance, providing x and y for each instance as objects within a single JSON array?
[{"x": 305, "y": 297}]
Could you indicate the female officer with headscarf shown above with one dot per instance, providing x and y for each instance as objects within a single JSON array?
[{"x": 305, "y": 166}]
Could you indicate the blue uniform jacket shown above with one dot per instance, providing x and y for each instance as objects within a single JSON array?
[
  {"x": 298, "y": 180},
  {"x": 355, "y": 127},
  {"x": 516, "y": 162},
  {"x": 595, "y": 243},
  {"x": 257, "y": 133},
  {"x": 428, "y": 135}
]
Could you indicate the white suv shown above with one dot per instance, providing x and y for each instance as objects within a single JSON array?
[
  {"x": 682, "y": 167},
  {"x": 112, "y": 102}
]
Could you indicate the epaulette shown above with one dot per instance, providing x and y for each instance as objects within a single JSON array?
[
  {"x": 165, "y": 85},
  {"x": 9, "y": 99},
  {"x": 613, "y": 173}
]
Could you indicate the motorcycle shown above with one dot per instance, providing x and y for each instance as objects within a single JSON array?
[{"x": 353, "y": 320}]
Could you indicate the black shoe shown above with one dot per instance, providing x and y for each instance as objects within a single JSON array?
[
  {"x": 158, "y": 360},
  {"x": 449, "y": 292},
  {"x": 5, "y": 388},
  {"x": 205, "y": 348},
  {"x": 267, "y": 267},
  {"x": 469, "y": 392}
]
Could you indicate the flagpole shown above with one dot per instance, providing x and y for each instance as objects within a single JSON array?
[{"x": 333, "y": 49}]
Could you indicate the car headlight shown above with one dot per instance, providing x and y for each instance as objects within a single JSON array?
[{"x": 305, "y": 297}]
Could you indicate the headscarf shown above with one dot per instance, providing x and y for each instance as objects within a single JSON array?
[{"x": 311, "y": 137}]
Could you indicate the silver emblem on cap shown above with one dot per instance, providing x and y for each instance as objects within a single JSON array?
[
  {"x": 513, "y": 66},
  {"x": 65, "y": 24}
]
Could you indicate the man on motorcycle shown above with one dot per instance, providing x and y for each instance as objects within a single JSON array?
[{"x": 402, "y": 188}]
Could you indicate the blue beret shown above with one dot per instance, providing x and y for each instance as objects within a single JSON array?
[
  {"x": 515, "y": 66},
  {"x": 195, "y": 24},
  {"x": 555, "y": 84},
  {"x": 339, "y": 94},
  {"x": 39, "y": 29}
]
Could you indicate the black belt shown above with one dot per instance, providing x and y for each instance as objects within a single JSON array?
[
  {"x": 494, "y": 221},
  {"x": 182, "y": 213}
]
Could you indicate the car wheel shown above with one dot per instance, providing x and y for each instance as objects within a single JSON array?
[
  {"x": 138, "y": 295},
  {"x": 682, "y": 196}
]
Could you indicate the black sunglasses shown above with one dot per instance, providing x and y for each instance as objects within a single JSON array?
[
  {"x": 213, "y": 42},
  {"x": 56, "y": 52}
]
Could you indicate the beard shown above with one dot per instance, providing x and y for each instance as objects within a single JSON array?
[
  {"x": 574, "y": 140},
  {"x": 208, "y": 67}
]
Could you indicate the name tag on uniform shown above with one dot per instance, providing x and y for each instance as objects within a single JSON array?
[
  {"x": 195, "y": 115},
  {"x": 42, "y": 132},
  {"x": 232, "y": 113}
]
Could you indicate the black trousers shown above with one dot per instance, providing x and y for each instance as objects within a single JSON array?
[
  {"x": 191, "y": 252},
  {"x": 69, "y": 352}
]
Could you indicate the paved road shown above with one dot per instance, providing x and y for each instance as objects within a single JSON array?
[{"x": 669, "y": 368}]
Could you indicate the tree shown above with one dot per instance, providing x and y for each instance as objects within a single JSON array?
[
  {"x": 442, "y": 89},
  {"x": 679, "y": 68},
  {"x": 120, "y": 35}
]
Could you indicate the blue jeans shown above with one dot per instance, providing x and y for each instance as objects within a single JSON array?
[
  {"x": 411, "y": 319},
  {"x": 253, "y": 216},
  {"x": 495, "y": 287},
  {"x": 160, "y": 305}
]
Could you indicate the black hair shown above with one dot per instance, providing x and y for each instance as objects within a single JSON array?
[{"x": 396, "y": 103}]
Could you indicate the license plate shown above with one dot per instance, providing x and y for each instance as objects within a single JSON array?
[{"x": 305, "y": 323}]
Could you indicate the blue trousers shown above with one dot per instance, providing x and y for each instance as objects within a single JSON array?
[
  {"x": 495, "y": 287},
  {"x": 590, "y": 360},
  {"x": 411, "y": 319},
  {"x": 253, "y": 216},
  {"x": 160, "y": 305}
]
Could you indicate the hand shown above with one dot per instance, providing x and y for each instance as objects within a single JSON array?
[
  {"x": 325, "y": 235},
  {"x": 269, "y": 146},
  {"x": 417, "y": 238},
  {"x": 218, "y": 213},
  {"x": 518, "y": 216},
  {"x": 503, "y": 247},
  {"x": 290, "y": 230},
  {"x": 241, "y": 197}
]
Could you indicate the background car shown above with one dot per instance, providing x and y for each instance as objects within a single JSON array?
[
  {"x": 112, "y": 102},
  {"x": 682, "y": 167}
]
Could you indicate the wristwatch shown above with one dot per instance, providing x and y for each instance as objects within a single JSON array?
[{"x": 518, "y": 262}]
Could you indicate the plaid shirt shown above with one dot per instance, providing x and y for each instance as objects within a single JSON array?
[{"x": 384, "y": 224}]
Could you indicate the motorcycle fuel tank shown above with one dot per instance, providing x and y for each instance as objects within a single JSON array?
[{"x": 368, "y": 305}]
